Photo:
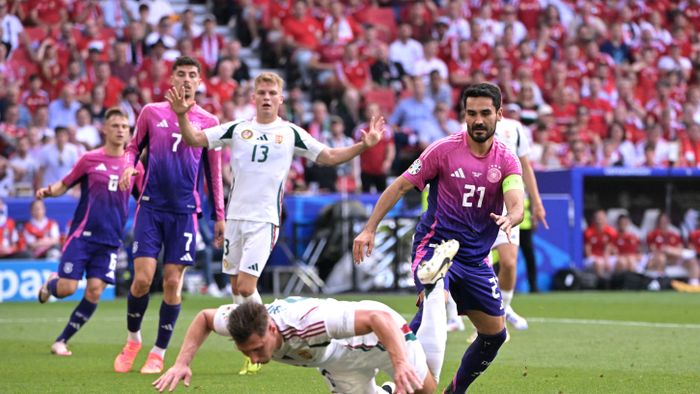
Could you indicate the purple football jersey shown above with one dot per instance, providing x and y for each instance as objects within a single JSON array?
[
  {"x": 103, "y": 208},
  {"x": 464, "y": 190},
  {"x": 173, "y": 168}
]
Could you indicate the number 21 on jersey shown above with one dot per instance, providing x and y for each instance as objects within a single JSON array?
[{"x": 468, "y": 196}]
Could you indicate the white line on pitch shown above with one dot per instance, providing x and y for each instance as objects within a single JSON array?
[{"x": 29, "y": 320}]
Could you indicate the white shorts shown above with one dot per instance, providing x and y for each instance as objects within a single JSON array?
[
  {"x": 352, "y": 371},
  {"x": 502, "y": 239},
  {"x": 247, "y": 246}
]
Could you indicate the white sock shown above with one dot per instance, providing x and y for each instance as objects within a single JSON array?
[
  {"x": 237, "y": 298},
  {"x": 452, "y": 314},
  {"x": 693, "y": 281},
  {"x": 432, "y": 333},
  {"x": 255, "y": 297},
  {"x": 134, "y": 336},
  {"x": 158, "y": 351},
  {"x": 507, "y": 298}
]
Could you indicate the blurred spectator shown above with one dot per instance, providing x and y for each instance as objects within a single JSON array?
[
  {"x": 349, "y": 108},
  {"x": 666, "y": 248},
  {"x": 112, "y": 86},
  {"x": 97, "y": 105},
  {"x": 323, "y": 62},
  {"x": 62, "y": 110},
  {"x": 413, "y": 117},
  {"x": 10, "y": 127},
  {"x": 57, "y": 159},
  {"x": 599, "y": 245},
  {"x": 85, "y": 132},
  {"x": 7, "y": 178},
  {"x": 375, "y": 162},
  {"x": 348, "y": 29},
  {"x": 353, "y": 72},
  {"x": 430, "y": 62},
  {"x": 47, "y": 12},
  {"x": 130, "y": 104},
  {"x": 303, "y": 34},
  {"x": 35, "y": 96},
  {"x": 116, "y": 14},
  {"x": 221, "y": 86},
  {"x": 690, "y": 147},
  {"x": 25, "y": 167},
  {"x": 243, "y": 106},
  {"x": 623, "y": 152},
  {"x": 438, "y": 90},
  {"x": 627, "y": 244},
  {"x": 209, "y": 44},
  {"x": 186, "y": 26},
  {"x": 386, "y": 72},
  {"x": 509, "y": 19},
  {"x": 444, "y": 123},
  {"x": 11, "y": 27},
  {"x": 347, "y": 174},
  {"x": 241, "y": 70},
  {"x": 40, "y": 121},
  {"x": 9, "y": 236},
  {"x": 120, "y": 67},
  {"x": 157, "y": 9},
  {"x": 694, "y": 236},
  {"x": 153, "y": 88},
  {"x": 163, "y": 34},
  {"x": 460, "y": 66},
  {"x": 135, "y": 37},
  {"x": 405, "y": 50},
  {"x": 41, "y": 236},
  {"x": 660, "y": 148},
  {"x": 320, "y": 125}
]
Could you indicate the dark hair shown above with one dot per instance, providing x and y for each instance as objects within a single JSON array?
[
  {"x": 60, "y": 129},
  {"x": 483, "y": 90},
  {"x": 248, "y": 319},
  {"x": 114, "y": 111},
  {"x": 187, "y": 61}
]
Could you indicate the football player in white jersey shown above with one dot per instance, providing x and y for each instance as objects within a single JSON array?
[
  {"x": 348, "y": 342},
  {"x": 262, "y": 150},
  {"x": 514, "y": 135}
]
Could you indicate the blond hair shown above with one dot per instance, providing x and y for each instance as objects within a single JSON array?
[{"x": 269, "y": 77}]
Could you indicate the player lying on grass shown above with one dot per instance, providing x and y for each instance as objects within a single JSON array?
[{"x": 348, "y": 342}]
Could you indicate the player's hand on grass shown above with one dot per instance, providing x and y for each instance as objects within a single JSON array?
[
  {"x": 364, "y": 240},
  {"x": 376, "y": 128},
  {"x": 125, "y": 180},
  {"x": 178, "y": 102},
  {"x": 504, "y": 223},
  {"x": 172, "y": 377},
  {"x": 219, "y": 233},
  {"x": 405, "y": 378}
]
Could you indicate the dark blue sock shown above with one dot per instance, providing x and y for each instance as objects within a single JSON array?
[
  {"x": 81, "y": 314},
  {"x": 53, "y": 287},
  {"x": 166, "y": 325},
  {"x": 476, "y": 359},
  {"x": 417, "y": 318},
  {"x": 135, "y": 309}
]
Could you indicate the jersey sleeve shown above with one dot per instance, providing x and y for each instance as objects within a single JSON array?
[
  {"x": 221, "y": 134},
  {"x": 511, "y": 165},
  {"x": 424, "y": 168},
  {"x": 79, "y": 170},
  {"x": 140, "y": 139},
  {"x": 305, "y": 145},
  {"x": 137, "y": 187},
  {"x": 339, "y": 318},
  {"x": 524, "y": 144},
  {"x": 221, "y": 319},
  {"x": 212, "y": 173}
]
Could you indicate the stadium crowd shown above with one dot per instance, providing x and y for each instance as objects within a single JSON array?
[{"x": 614, "y": 83}]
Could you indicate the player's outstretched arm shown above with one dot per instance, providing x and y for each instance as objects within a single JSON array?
[
  {"x": 387, "y": 331},
  {"x": 370, "y": 138},
  {"x": 197, "y": 333},
  {"x": 365, "y": 240},
  {"x": 181, "y": 105},
  {"x": 538, "y": 212},
  {"x": 54, "y": 190},
  {"x": 515, "y": 208}
]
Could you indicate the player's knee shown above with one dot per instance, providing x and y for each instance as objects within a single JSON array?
[
  {"x": 246, "y": 290},
  {"x": 171, "y": 283},
  {"x": 494, "y": 342},
  {"x": 69, "y": 288},
  {"x": 93, "y": 293},
  {"x": 140, "y": 286}
]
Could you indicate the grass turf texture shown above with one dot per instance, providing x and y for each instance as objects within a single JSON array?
[{"x": 577, "y": 343}]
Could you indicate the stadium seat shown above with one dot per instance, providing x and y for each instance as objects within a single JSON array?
[
  {"x": 649, "y": 220},
  {"x": 384, "y": 97},
  {"x": 614, "y": 213}
]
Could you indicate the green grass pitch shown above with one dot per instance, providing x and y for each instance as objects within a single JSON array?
[{"x": 577, "y": 343}]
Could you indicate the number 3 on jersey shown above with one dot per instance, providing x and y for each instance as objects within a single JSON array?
[{"x": 467, "y": 197}]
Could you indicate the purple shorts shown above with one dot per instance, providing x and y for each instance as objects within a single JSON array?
[
  {"x": 472, "y": 286},
  {"x": 93, "y": 259},
  {"x": 175, "y": 232}
]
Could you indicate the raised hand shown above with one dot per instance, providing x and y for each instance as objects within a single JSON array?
[
  {"x": 179, "y": 104},
  {"x": 376, "y": 128}
]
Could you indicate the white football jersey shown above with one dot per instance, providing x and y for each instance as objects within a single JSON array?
[
  {"x": 514, "y": 135},
  {"x": 261, "y": 155},
  {"x": 319, "y": 332}
]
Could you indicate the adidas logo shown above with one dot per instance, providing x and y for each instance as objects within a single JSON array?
[
  {"x": 186, "y": 257},
  {"x": 253, "y": 267},
  {"x": 167, "y": 327},
  {"x": 74, "y": 325},
  {"x": 163, "y": 123},
  {"x": 458, "y": 174},
  {"x": 101, "y": 167},
  {"x": 134, "y": 315},
  {"x": 262, "y": 138}
]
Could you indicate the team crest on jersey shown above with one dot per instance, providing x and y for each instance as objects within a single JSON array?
[
  {"x": 415, "y": 167},
  {"x": 494, "y": 174},
  {"x": 305, "y": 354},
  {"x": 278, "y": 138},
  {"x": 247, "y": 134}
]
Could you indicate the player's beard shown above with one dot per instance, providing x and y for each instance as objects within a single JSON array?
[{"x": 481, "y": 138}]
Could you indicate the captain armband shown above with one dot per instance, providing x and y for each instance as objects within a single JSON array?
[{"x": 513, "y": 182}]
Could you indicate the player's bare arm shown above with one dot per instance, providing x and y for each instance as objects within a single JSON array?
[
  {"x": 197, "y": 333},
  {"x": 181, "y": 105},
  {"x": 365, "y": 240},
  {"x": 53, "y": 190},
  {"x": 370, "y": 138},
  {"x": 538, "y": 212},
  {"x": 515, "y": 208},
  {"x": 384, "y": 327}
]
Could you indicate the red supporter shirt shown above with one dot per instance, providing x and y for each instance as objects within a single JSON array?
[
  {"x": 48, "y": 10},
  {"x": 480, "y": 52},
  {"x": 220, "y": 90},
  {"x": 598, "y": 240},
  {"x": 598, "y": 109},
  {"x": 304, "y": 32},
  {"x": 692, "y": 13},
  {"x": 371, "y": 159},
  {"x": 627, "y": 243},
  {"x": 694, "y": 240},
  {"x": 355, "y": 73},
  {"x": 35, "y": 100},
  {"x": 657, "y": 239},
  {"x": 529, "y": 13}
]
